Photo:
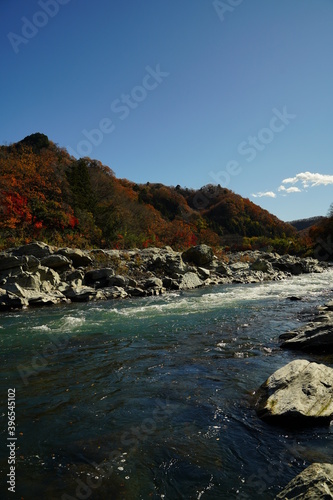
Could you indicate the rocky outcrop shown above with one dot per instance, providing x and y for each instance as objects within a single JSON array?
[
  {"x": 38, "y": 274},
  {"x": 315, "y": 482},
  {"x": 200, "y": 255},
  {"x": 298, "y": 393},
  {"x": 315, "y": 336}
]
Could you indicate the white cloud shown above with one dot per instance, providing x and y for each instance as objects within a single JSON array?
[
  {"x": 308, "y": 179},
  {"x": 269, "y": 194},
  {"x": 289, "y": 190}
]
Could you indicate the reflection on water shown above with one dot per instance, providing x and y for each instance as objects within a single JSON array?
[{"x": 153, "y": 398}]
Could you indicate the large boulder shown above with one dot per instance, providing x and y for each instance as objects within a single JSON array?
[
  {"x": 78, "y": 257},
  {"x": 300, "y": 392},
  {"x": 98, "y": 277},
  {"x": 37, "y": 249},
  {"x": 24, "y": 280},
  {"x": 262, "y": 265},
  {"x": 315, "y": 482},
  {"x": 58, "y": 262},
  {"x": 8, "y": 261},
  {"x": 117, "y": 280},
  {"x": 166, "y": 262},
  {"x": 289, "y": 264},
  {"x": 80, "y": 293},
  {"x": 190, "y": 280},
  {"x": 200, "y": 255}
]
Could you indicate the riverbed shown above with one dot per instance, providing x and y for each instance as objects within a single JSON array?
[{"x": 152, "y": 398}]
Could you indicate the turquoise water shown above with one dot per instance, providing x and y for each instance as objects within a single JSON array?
[{"x": 153, "y": 398}]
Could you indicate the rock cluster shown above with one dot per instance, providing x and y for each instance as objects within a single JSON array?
[
  {"x": 315, "y": 336},
  {"x": 301, "y": 393},
  {"x": 38, "y": 274}
]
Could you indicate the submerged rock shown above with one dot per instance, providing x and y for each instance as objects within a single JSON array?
[
  {"x": 300, "y": 392},
  {"x": 315, "y": 482}
]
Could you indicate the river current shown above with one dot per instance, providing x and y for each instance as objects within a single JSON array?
[{"x": 153, "y": 398}]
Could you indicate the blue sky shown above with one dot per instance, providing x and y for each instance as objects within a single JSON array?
[{"x": 189, "y": 92}]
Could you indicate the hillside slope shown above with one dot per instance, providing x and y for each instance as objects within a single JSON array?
[{"x": 48, "y": 195}]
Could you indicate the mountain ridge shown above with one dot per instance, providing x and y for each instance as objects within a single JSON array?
[{"x": 48, "y": 194}]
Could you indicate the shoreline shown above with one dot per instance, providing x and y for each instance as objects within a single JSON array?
[{"x": 37, "y": 274}]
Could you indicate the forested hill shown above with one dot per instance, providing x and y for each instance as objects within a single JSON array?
[{"x": 48, "y": 195}]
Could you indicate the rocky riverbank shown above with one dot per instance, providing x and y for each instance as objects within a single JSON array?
[
  {"x": 38, "y": 274},
  {"x": 301, "y": 393}
]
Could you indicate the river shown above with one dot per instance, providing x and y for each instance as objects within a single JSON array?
[{"x": 153, "y": 398}]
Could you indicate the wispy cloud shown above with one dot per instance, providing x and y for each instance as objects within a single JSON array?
[
  {"x": 308, "y": 179},
  {"x": 269, "y": 194},
  {"x": 289, "y": 190}
]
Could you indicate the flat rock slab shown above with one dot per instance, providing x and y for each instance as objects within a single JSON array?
[
  {"x": 316, "y": 336},
  {"x": 298, "y": 393},
  {"x": 315, "y": 482}
]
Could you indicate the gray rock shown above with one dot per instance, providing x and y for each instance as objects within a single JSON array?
[
  {"x": 102, "y": 276},
  {"x": 37, "y": 249},
  {"x": 170, "y": 283},
  {"x": 167, "y": 263},
  {"x": 114, "y": 292},
  {"x": 54, "y": 261},
  {"x": 80, "y": 293},
  {"x": 203, "y": 273},
  {"x": 300, "y": 392},
  {"x": 153, "y": 283},
  {"x": 200, "y": 255},
  {"x": 10, "y": 301},
  {"x": 45, "y": 299},
  {"x": 25, "y": 280},
  {"x": 78, "y": 257},
  {"x": 47, "y": 274},
  {"x": 118, "y": 280},
  {"x": 190, "y": 280},
  {"x": 223, "y": 269},
  {"x": 74, "y": 278},
  {"x": 239, "y": 266},
  {"x": 30, "y": 263},
  {"x": 288, "y": 263},
  {"x": 315, "y": 336},
  {"x": 262, "y": 265},
  {"x": 8, "y": 261},
  {"x": 136, "y": 292},
  {"x": 314, "y": 483}
]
